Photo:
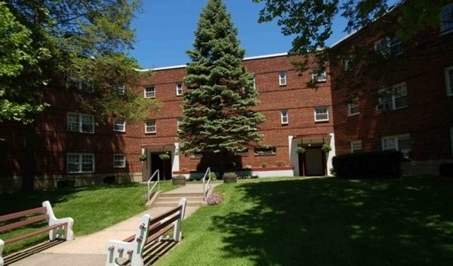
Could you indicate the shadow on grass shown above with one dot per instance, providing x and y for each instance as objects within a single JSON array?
[{"x": 342, "y": 222}]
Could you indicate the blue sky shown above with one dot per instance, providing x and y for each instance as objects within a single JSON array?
[{"x": 165, "y": 30}]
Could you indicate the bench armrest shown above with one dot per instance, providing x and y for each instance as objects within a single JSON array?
[
  {"x": 66, "y": 223},
  {"x": 2, "y": 245},
  {"x": 131, "y": 250}
]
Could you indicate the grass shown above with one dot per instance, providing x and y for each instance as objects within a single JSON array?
[
  {"x": 326, "y": 221},
  {"x": 92, "y": 208},
  {"x": 285, "y": 221}
]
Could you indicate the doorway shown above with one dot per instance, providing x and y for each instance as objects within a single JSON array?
[
  {"x": 163, "y": 165},
  {"x": 312, "y": 162}
]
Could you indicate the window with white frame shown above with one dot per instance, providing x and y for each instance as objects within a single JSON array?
[
  {"x": 119, "y": 88},
  {"x": 119, "y": 160},
  {"x": 449, "y": 80},
  {"x": 179, "y": 89},
  {"x": 389, "y": 46},
  {"x": 348, "y": 63},
  {"x": 150, "y": 126},
  {"x": 353, "y": 107},
  {"x": 394, "y": 97},
  {"x": 254, "y": 82},
  {"x": 82, "y": 123},
  {"x": 282, "y": 78},
  {"x": 321, "y": 114},
  {"x": 119, "y": 125},
  {"x": 284, "y": 117},
  {"x": 319, "y": 75},
  {"x": 446, "y": 16},
  {"x": 356, "y": 146},
  {"x": 75, "y": 82},
  {"x": 400, "y": 143},
  {"x": 243, "y": 152},
  {"x": 80, "y": 163},
  {"x": 150, "y": 92}
]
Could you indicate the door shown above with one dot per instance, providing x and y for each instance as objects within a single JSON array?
[{"x": 314, "y": 162}]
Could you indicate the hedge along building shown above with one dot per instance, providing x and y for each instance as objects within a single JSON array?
[
  {"x": 390, "y": 94},
  {"x": 296, "y": 114}
]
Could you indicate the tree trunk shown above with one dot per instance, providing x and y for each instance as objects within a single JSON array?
[{"x": 28, "y": 160}]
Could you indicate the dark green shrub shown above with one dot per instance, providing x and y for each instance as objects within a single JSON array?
[
  {"x": 381, "y": 164},
  {"x": 446, "y": 169}
]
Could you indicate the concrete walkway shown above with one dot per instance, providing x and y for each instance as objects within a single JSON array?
[{"x": 90, "y": 250}]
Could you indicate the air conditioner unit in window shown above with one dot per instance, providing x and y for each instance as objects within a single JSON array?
[
  {"x": 381, "y": 107},
  {"x": 407, "y": 154}
]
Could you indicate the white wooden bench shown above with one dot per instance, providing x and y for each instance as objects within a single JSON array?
[
  {"x": 150, "y": 230},
  {"x": 56, "y": 228}
]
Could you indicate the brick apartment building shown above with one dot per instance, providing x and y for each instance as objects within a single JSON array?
[
  {"x": 296, "y": 114},
  {"x": 404, "y": 101},
  {"x": 358, "y": 104},
  {"x": 68, "y": 144}
]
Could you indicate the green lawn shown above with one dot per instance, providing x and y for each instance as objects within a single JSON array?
[
  {"x": 285, "y": 221},
  {"x": 326, "y": 221},
  {"x": 92, "y": 208}
]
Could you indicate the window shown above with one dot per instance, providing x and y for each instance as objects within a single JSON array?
[
  {"x": 119, "y": 161},
  {"x": 243, "y": 152},
  {"x": 348, "y": 63},
  {"x": 80, "y": 163},
  {"x": 392, "y": 98},
  {"x": 120, "y": 88},
  {"x": 284, "y": 117},
  {"x": 179, "y": 89},
  {"x": 400, "y": 143},
  {"x": 449, "y": 80},
  {"x": 282, "y": 78},
  {"x": 319, "y": 75},
  {"x": 150, "y": 92},
  {"x": 119, "y": 124},
  {"x": 77, "y": 83},
  {"x": 321, "y": 114},
  {"x": 254, "y": 83},
  {"x": 389, "y": 46},
  {"x": 353, "y": 107},
  {"x": 150, "y": 126},
  {"x": 82, "y": 123},
  {"x": 265, "y": 150},
  {"x": 356, "y": 146},
  {"x": 446, "y": 16}
]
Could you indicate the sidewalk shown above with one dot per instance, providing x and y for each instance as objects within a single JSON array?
[{"x": 90, "y": 249}]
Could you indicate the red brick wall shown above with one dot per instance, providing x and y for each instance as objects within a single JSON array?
[{"x": 428, "y": 116}]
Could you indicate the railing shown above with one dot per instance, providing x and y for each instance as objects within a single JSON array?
[
  {"x": 150, "y": 190},
  {"x": 206, "y": 183}
]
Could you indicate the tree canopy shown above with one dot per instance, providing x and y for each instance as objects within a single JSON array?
[
  {"x": 217, "y": 111},
  {"x": 311, "y": 21},
  {"x": 56, "y": 44}
]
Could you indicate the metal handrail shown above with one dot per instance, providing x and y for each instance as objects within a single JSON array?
[
  {"x": 150, "y": 190},
  {"x": 206, "y": 183}
]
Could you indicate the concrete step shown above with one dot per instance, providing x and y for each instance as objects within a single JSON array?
[
  {"x": 172, "y": 199},
  {"x": 179, "y": 195}
]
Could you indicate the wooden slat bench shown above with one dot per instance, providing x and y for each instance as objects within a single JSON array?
[
  {"x": 56, "y": 228},
  {"x": 150, "y": 231}
]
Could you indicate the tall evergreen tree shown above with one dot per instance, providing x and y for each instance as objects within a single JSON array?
[{"x": 218, "y": 115}]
